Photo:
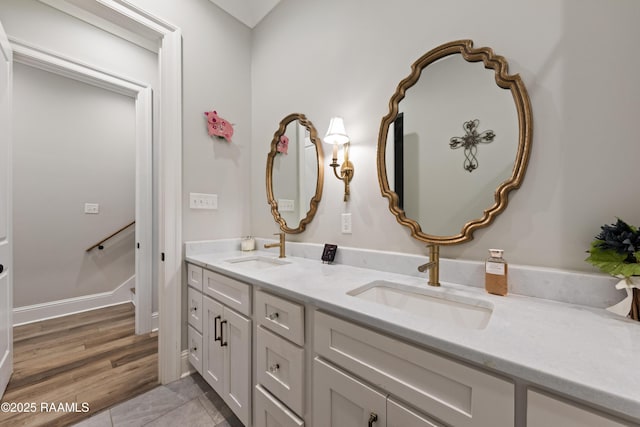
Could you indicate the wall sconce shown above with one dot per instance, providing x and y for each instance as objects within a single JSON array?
[{"x": 337, "y": 135}]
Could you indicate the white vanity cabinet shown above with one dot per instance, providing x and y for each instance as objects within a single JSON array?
[
  {"x": 223, "y": 357},
  {"x": 544, "y": 410},
  {"x": 280, "y": 355},
  {"x": 445, "y": 390}
]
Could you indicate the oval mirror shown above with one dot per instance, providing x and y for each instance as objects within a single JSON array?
[
  {"x": 294, "y": 173},
  {"x": 455, "y": 142}
]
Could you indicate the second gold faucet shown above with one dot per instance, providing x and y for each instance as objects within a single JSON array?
[{"x": 274, "y": 245}]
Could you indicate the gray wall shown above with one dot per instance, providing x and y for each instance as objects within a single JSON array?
[
  {"x": 73, "y": 144},
  {"x": 576, "y": 58},
  {"x": 216, "y": 72},
  {"x": 216, "y": 64}
]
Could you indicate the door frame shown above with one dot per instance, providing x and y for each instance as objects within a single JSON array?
[{"x": 124, "y": 20}]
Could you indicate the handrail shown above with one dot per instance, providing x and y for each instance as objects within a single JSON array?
[{"x": 99, "y": 244}]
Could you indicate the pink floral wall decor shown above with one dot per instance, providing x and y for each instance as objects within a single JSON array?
[
  {"x": 218, "y": 126},
  {"x": 283, "y": 144}
]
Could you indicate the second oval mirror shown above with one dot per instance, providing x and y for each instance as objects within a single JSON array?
[
  {"x": 294, "y": 173},
  {"x": 455, "y": 142}
]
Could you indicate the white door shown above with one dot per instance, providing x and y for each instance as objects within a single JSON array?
[
  {"x": 340, "y": 400},
  {"x": 6, "y": 282}
]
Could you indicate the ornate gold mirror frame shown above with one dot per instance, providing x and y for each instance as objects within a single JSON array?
[
  {"x": 523, "y": 107},
  {"x": 315, "y": 200}
]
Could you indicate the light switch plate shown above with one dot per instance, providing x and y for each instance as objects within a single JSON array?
[
  {"x": 203, "y": 201},
  {"x": 286, "y": 205},
  {"x": 346, "y": 223},
  {"x": 91, "y": 208}
]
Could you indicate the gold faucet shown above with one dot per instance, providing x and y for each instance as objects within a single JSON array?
[
  {"x": 433, "y": 265},
  {"x": 274, "y": 245}
]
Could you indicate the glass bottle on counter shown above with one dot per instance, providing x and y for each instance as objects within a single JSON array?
[{"x": 495, "y": 276}]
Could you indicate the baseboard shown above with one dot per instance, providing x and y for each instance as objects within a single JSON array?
[
  {"x": 155, "y": 321},
  {"x": 50, "y": 310},
  {"x": 185, "y": 367}
]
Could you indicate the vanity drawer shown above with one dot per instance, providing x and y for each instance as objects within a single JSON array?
[
  {"x": 228, "y": 291},
  {"x": 280, "y": 368},
  {"x": 270, "y": 412},
  {"x": 544, "y": 410},
  {"x": 450, "y": 391},
  {"x": 194, "y": 299},
  {"x": 280, "y": 316},
  {"x": 195, "y": 348},
  {"x": 194, "y": 276}
]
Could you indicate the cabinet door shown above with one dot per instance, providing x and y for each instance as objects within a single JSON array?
[
  {"x": 340, "y": 400},
  {"x": 213, "y": 357},
  {"x": 399, "y": 415},
  {"x": 236, "y": 337}
]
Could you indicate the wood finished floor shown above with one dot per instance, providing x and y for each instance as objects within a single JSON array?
[{"x": 92, "y": 357}]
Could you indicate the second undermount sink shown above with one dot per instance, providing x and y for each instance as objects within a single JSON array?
[
  {"x": 431, "y": 304},
  {"x": 257, "y": 262}
]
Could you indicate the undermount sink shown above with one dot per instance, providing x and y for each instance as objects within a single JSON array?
[
  {"x": 257, "y": 262},
  {"x": 431, "y": 304}
]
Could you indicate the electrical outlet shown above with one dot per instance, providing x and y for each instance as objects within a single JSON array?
[
  {"x": 346, "y": 223},
  {"x": 91, "y": 208},
  {"x": 203, "y": 201}
]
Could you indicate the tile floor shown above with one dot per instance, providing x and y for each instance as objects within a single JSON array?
[{"x": 189, "y": 401}]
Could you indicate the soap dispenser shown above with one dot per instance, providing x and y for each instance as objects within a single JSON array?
[{"x": 495, "y": 273}]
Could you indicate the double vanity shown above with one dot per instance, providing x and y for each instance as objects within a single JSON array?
[
  {"x": 368, "y": 341},
  {"x": 294, "y": 342}
]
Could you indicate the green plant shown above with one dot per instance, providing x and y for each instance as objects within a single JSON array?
[{"x": 616, "y": 250}]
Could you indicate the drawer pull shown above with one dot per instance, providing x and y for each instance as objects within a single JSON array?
[
  {"x": 372, "y": 419},
  {"x": 273, "y": 316},
  {"x": 215, "y": 329},
  {"x": 194, "y": 309},
  {"x": 194, "y": 349},
  {"x": 274, "y": 368},
  {"x": 222, "y": 341}
]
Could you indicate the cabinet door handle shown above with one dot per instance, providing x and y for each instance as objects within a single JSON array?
[
  {"x": 222, "y": 342},
  {"x": 372, "y": 419},
  {"x": 273, "y": 316},
  {"x": 215, "y": 329},
  {"x": 274, "y": 368}
]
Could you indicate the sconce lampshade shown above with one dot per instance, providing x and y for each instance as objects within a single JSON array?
[{"x": 336, "y": 133}]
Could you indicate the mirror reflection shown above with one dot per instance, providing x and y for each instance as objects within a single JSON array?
[
  {"x": 294, "y": 173},
  {"x": 440, "y": 186},
  {"x": 454, "y": 143}
]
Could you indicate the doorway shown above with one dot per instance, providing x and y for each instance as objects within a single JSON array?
[{"x": 99, "y": 113}]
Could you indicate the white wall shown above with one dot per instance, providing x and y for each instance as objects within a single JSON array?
[
  {"x": 576, "y": 58},
  {"x": 73, "y": 144},
  {"x": 70, "y": 272},
  {"x": 216, "y": 63},
  {"x": 216, "y": 72}
]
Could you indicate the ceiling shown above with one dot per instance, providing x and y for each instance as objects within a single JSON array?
[{"x": 249, "y": 12}]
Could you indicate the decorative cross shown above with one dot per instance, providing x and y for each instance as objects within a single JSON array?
[{"x": 470, "y": 143}]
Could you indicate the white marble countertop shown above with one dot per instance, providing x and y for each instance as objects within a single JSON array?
[{"x": 586, "y": 353}]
